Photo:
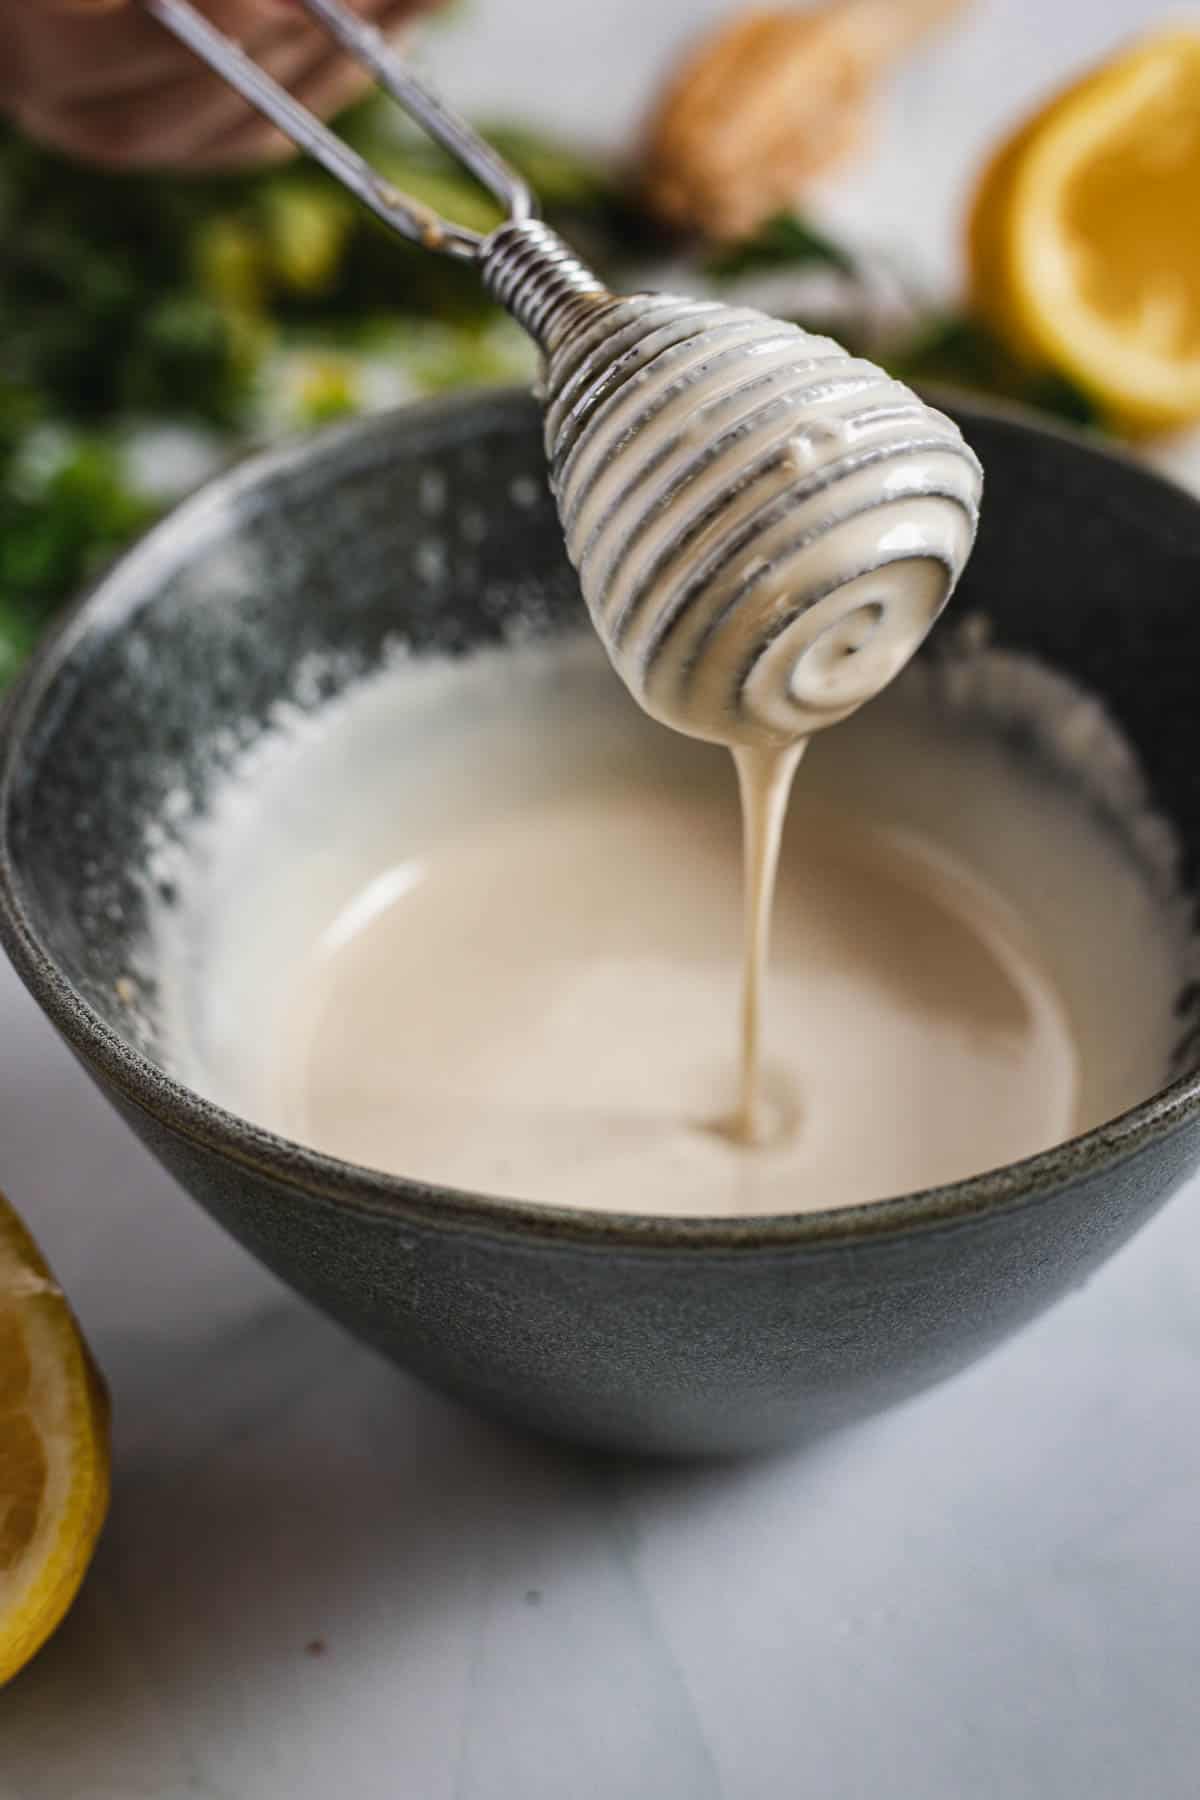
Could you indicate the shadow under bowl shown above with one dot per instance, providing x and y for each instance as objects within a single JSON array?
[{"x": 433, "y": 527}]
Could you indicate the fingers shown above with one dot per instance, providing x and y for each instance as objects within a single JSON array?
[
  {"x": 100, "y": 80},
  {"x": 325, "y": 85},
  {"x": 80, "y": 7},
  {"x": 161, "y": 110}
]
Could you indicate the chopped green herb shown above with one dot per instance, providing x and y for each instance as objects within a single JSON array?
[
  {"x": 784, "y": 241},
  {"x": 961, "y": 352}
]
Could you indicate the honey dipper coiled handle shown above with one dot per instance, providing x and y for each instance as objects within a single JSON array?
[{"x": 765, "y": 527}]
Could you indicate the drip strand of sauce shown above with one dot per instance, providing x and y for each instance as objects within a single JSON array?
[{"x": 764, "y": 785}]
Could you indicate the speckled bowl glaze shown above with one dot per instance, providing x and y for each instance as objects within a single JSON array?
[{"x": 433, "y": 527}]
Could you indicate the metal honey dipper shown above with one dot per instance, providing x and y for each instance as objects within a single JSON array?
[{"x": 764, "y": 526}]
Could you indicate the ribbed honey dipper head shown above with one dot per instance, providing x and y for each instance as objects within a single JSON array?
[{"x": 764, "y": 526}]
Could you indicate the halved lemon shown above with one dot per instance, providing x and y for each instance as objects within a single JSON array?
[
  {"x": 54, "y": 1453},
  {"x": 1084, "y": 235}
]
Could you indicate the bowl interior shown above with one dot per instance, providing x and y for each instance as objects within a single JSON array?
[{"x": 434, "y": 529}]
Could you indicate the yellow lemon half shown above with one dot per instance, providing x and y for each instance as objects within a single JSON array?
[
  {"x": 1084, "y": 235},
  {"x": 54, "y": 1456}
]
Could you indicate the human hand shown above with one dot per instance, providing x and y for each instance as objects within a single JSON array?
[{"x": 101, "y": 80}]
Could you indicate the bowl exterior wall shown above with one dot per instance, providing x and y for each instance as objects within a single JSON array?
[{"x": 677, "y": 1351}]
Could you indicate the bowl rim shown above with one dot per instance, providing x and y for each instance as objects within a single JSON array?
[{"x": 140, "y": 1082}]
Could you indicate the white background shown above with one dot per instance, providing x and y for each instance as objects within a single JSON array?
[{"x": 990, "y": 1594}]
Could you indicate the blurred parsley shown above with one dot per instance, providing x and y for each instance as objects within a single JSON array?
[
  {"x": 958, "y": 351},
  {"x": 783, "y": 242},
  {"x": 65, "y": 509},
  {"x": 127, "y": 297}
]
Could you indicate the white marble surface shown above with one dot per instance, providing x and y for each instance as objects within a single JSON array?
[{"x": 991, "y": 1594}]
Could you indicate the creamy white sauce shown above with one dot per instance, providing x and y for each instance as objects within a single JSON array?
[{"x": 473, "y": 924}]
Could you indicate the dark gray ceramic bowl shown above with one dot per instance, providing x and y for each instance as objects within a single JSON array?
[{"x": 625, "y": 1331}]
